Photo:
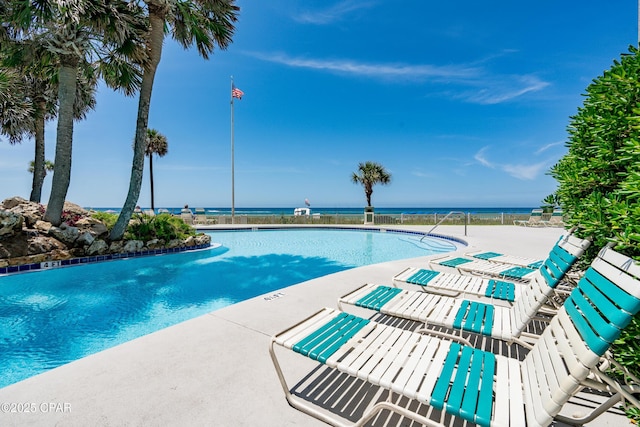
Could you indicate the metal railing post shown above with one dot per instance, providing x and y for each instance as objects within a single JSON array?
[{"x": 464, "y": 215}]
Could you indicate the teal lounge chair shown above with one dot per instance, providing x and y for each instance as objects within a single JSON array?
[
  {"x": 556, "y": 219},
  {"x": 535, "y": 219},
  {"x": 498, "y": 320},
  {"x": 468, "y": 383},
  {"x": 506, "y": 259},
  {"x": 568, "y": 247}
]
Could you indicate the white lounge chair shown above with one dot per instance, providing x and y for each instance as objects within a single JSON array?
[
  {"x": 561, "y": 258},
  {"x": 556, "y": 219},
  {"x": 535, "y": 219},
  {"x": 492, "y": 318},
  {"x": 200, "y": 216},
  {"x": 472, "y": 384},
  {"x": 187, "y": 218},
  {"x": 506, "y": 259},
  {"x": 464, "y": 264}
]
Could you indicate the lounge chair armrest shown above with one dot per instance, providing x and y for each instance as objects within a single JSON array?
[{"x": 446, "y": 335}]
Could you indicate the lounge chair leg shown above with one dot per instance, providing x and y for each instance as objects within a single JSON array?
[
  {"x": 604, "y": 407},
  {"x": 380, "y": 406},
  {"x": 293, "y": 401}
]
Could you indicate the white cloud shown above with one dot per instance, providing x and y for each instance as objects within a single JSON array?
[
  {"x": 371, "y": 70},
  {"x": 470, "y": 83},
  {"x": 480, "y": 157},
  {"x": 333, "y": 13},
  {"x": 520, "y": 171},
  {"x": 548, "y": 146},
  {"x": 525, "y": 172},
  {"x": 503, "y": 88}
]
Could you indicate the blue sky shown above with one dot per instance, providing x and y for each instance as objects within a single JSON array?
[{"x": 465, "y": 103}]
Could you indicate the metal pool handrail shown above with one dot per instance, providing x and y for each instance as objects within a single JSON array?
[{"x": 445, "y": 217}]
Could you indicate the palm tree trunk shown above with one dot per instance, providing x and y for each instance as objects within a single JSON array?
[
  {"x": 39, "y": 171},
  {"x": 64, "y": 138},
  {"x": 151, "y": 179},
  {"x": 156, "y": 37}
]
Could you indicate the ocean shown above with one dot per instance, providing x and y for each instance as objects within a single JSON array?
[{"x": 279, "y": 211}]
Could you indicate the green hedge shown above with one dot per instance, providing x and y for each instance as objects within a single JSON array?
[{"x": 599, "y": 178}]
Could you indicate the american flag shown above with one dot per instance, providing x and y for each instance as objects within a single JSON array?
[{"x": 236, "y": 93}]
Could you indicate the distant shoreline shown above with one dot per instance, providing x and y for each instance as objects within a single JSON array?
[{"x": 341, "y": 211}]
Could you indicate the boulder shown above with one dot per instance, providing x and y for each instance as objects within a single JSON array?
[
  {"x": 133, "y": 246},
  {"x": 155, "y": 244},
  {"x": 30, "y": 211},
  {"x": 98, "y": 247},
  {"x": 190, "y": 241},
  {"x": 10, "y": 224},
  {"x": 4, "y": 253},
  {"x": 12, "y": 202},
  {"x": 74, "y": 209},
  {"x": 42, "y": 226},
  {"x": 202, "y": 239},
  {"x": 175, "y": 243},
  {"x": 59, "y": 254},
  {"x": 116, "y": 247},
  {"x": 65, "y": 234},
  {"x": 94, "y": 226},
  {"x": 85, "y": 239},
  {"x": 43, "y": 244}
]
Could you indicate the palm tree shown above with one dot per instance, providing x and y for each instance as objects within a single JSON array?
[
  {"x": 37, "y": 68},
  {"x": 156, "y": 144},
  {"x": 205, "y": 23},
  {"x": 77, "y": 33},
  {"x": 369, "y": 174},
  {"x": 48, "y": 166},
  {"x": 550, "y": 202}
]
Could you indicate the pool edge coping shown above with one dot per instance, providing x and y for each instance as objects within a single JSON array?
[{"x": 71, "y": 262}]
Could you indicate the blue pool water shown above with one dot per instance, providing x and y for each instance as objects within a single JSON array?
[{"x": 50, "y": 318}]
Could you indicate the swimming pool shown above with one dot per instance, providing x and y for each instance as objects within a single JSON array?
[{"x": 53, "y": 317}]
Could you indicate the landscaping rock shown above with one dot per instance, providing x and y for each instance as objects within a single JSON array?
[
  {"x": 43, "y": 244},
  {"x": 155, "y": 244},
  {"x": 97, "y": 247},
  {"x": 25, "y": 237},
  {"x": 85, "y": 239},
  {"x": 10, "y": 224},
  {"x": 65, "y": 234},
  {"x": 94, "y": 226},
  {"x": 133, "y": 246}
]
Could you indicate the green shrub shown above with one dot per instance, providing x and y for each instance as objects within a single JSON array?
[
  {"x": 599, "y": 178},
  {"x": 108, "y": 219},
  {"x": 163, "y": 227}
]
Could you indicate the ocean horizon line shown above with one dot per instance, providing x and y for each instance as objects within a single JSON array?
[{"x": 333, "y": 210}]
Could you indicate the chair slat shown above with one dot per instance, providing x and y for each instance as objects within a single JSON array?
[
  {"x": 453, "y": 402},
  {"x": 441, "y": 388},
  {"x": 627, "y": 302}
]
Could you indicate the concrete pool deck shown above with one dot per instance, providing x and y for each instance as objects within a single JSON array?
[{"x": 215, "y": 370}]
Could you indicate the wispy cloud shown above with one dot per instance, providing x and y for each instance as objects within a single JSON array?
[
  {"x": 526, "y": 171},
  {"x": 503, "y": 88},
  {"x": 356, "y": 68},
  {"x": 548, "y": 146},
  {"x": 481, "y": 158},
  {"x": 332, "y": 13},
  {"x": 471, "y": 83}
]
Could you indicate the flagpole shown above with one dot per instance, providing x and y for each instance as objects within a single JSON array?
[{"x": 233, "y": 207}]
